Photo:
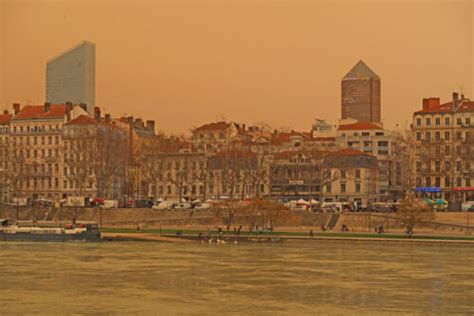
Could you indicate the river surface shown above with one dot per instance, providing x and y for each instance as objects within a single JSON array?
[{"x": 293, "y": 278}]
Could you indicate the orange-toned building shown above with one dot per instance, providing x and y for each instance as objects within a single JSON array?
[
  {"x": 5, "y": 119},
  {"x": 36, "y": 149},
  {"x": 443, "y": 148}
]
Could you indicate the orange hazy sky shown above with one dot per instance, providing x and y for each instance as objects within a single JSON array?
[{"x": 185, "y": 63}]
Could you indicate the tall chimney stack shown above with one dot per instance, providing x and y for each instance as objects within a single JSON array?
[
  {"x": 47, "y": 106},
  {"x": 150, "y": 125},
  {"x": 455, "y": 99},
  {"x": 97, "y": 113},
  {"x": 68, "y": 111},
  {"x": 16, "y": 108}
]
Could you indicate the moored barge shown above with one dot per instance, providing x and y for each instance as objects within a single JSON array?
[{"x": 12, "y": 231}]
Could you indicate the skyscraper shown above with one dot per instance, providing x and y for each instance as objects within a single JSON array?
[
  {"x": 70, "y": 77},
  {"x": 360, "y": 94}
]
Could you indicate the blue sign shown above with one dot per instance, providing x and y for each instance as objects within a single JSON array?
[{"x": 428, "y": 189}]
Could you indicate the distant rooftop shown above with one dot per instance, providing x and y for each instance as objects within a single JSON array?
[{"x": 359, "y": 71}]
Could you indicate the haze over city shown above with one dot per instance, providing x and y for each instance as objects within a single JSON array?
[{"x": 185, "y": 63}]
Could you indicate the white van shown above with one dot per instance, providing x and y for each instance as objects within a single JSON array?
[
  {"x": 337, "y": 207},
  {"x": 110, "y": 204}
]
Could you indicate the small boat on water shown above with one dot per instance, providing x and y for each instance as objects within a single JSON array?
[{"x": 12, "y": 231}]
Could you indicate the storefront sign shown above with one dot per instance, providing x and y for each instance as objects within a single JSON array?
[
  {"x": 464, "y": 189},
  {"x": 428, "y": 189}
]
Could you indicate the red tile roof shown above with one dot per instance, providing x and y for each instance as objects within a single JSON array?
[
  {"x": 5, "y": 119},
  {"x": 82, "y": 120},
  {"x": 37, "y": 112},
  {"x": 358, "y": 126},
  {"x": 466, "y": 106},
  {"x": 285, "y": 137},
  {"x": 214, "y": 126}
]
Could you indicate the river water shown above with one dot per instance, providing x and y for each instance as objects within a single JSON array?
[{"x": 297, "y": 278}]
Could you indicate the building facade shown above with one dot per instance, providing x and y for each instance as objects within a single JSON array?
[
  {"x": 350, "y": 176},
  {"x": 5, "y": 192},
  {"x": 70, "y": 77},
  {"x": 360, "y": 94},
  {"x": 387, "y": 147},
  {"x": 443, "y": 147},
  {"x": 36, "y": 149}
]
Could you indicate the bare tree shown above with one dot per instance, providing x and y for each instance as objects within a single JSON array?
[{"x": 414, "y": 211}]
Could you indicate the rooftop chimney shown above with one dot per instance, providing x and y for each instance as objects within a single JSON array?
[
  {"x": 5, "y": 112},
  {"x": 455, "y": 99},
  {"x": 130, "y": 120},
  {"x": 431, "y": 103},
  {"x": 107, "y": 117},
  {"x": 97, "y": 113},
  {"x": 68, "y": 111},
  {"x": 138, "y": 122},
  {"x": 47, "y": 106},
  {"x": 150, "y": 125},
  {"x": 16, "y": 108}
]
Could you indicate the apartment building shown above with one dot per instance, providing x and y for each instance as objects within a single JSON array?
[
  {"x": 296, "y": 174},
  {"x": 350, "y": 176},
  {"x": 387, "y": 147},
  {"x": 443, "y": 147},
  {"x": 35, "y": 149},
  {"x": 5, "y": 177}
]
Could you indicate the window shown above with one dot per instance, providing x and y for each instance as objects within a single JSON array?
[
  {"x": 343, "y": 188},
  {"x": 428, "y": 181},
  {"x": 418, "y": 136},
  {"x": 328, "y": 188},
  {"x": 447, "y": 150},
  {"x": 458, "y": 135},
  {"x": 438, "y": 121},
  {"x": 447, "y": 165},
  {"x": 447, "y": 182},
  {"x": 343, "y": 174},
  {"x": 458, "y": 121},
  {"x": 357, "y": 173},
  {"x": 458, "y": 181},
  {"x": 437, "y": 136},
  {"x": 427, "y": 136},
  {"x": 458, "y": 165},
  {"x": 437, "y": 166},
  {"x": 357, "y": 187},
  {"x": 418, "y": 121},
  {"x": 438, "y": 182},
  {"x": 468, "y": 121},
  {"x": 418, "y": 165},
  {"x": 447, "y": 121},
  {"x": 428, "y": 121},
  {"x": 446, "y": 135},
  {"x": 468, "y": 182}
]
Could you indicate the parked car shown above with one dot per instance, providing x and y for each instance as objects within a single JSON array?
[
  {"x": 164, "y": 205},
  {"x": 183, "y": 206},
  {"x": 109, "y": 204},
  {"x": 202, "y": 206}
]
